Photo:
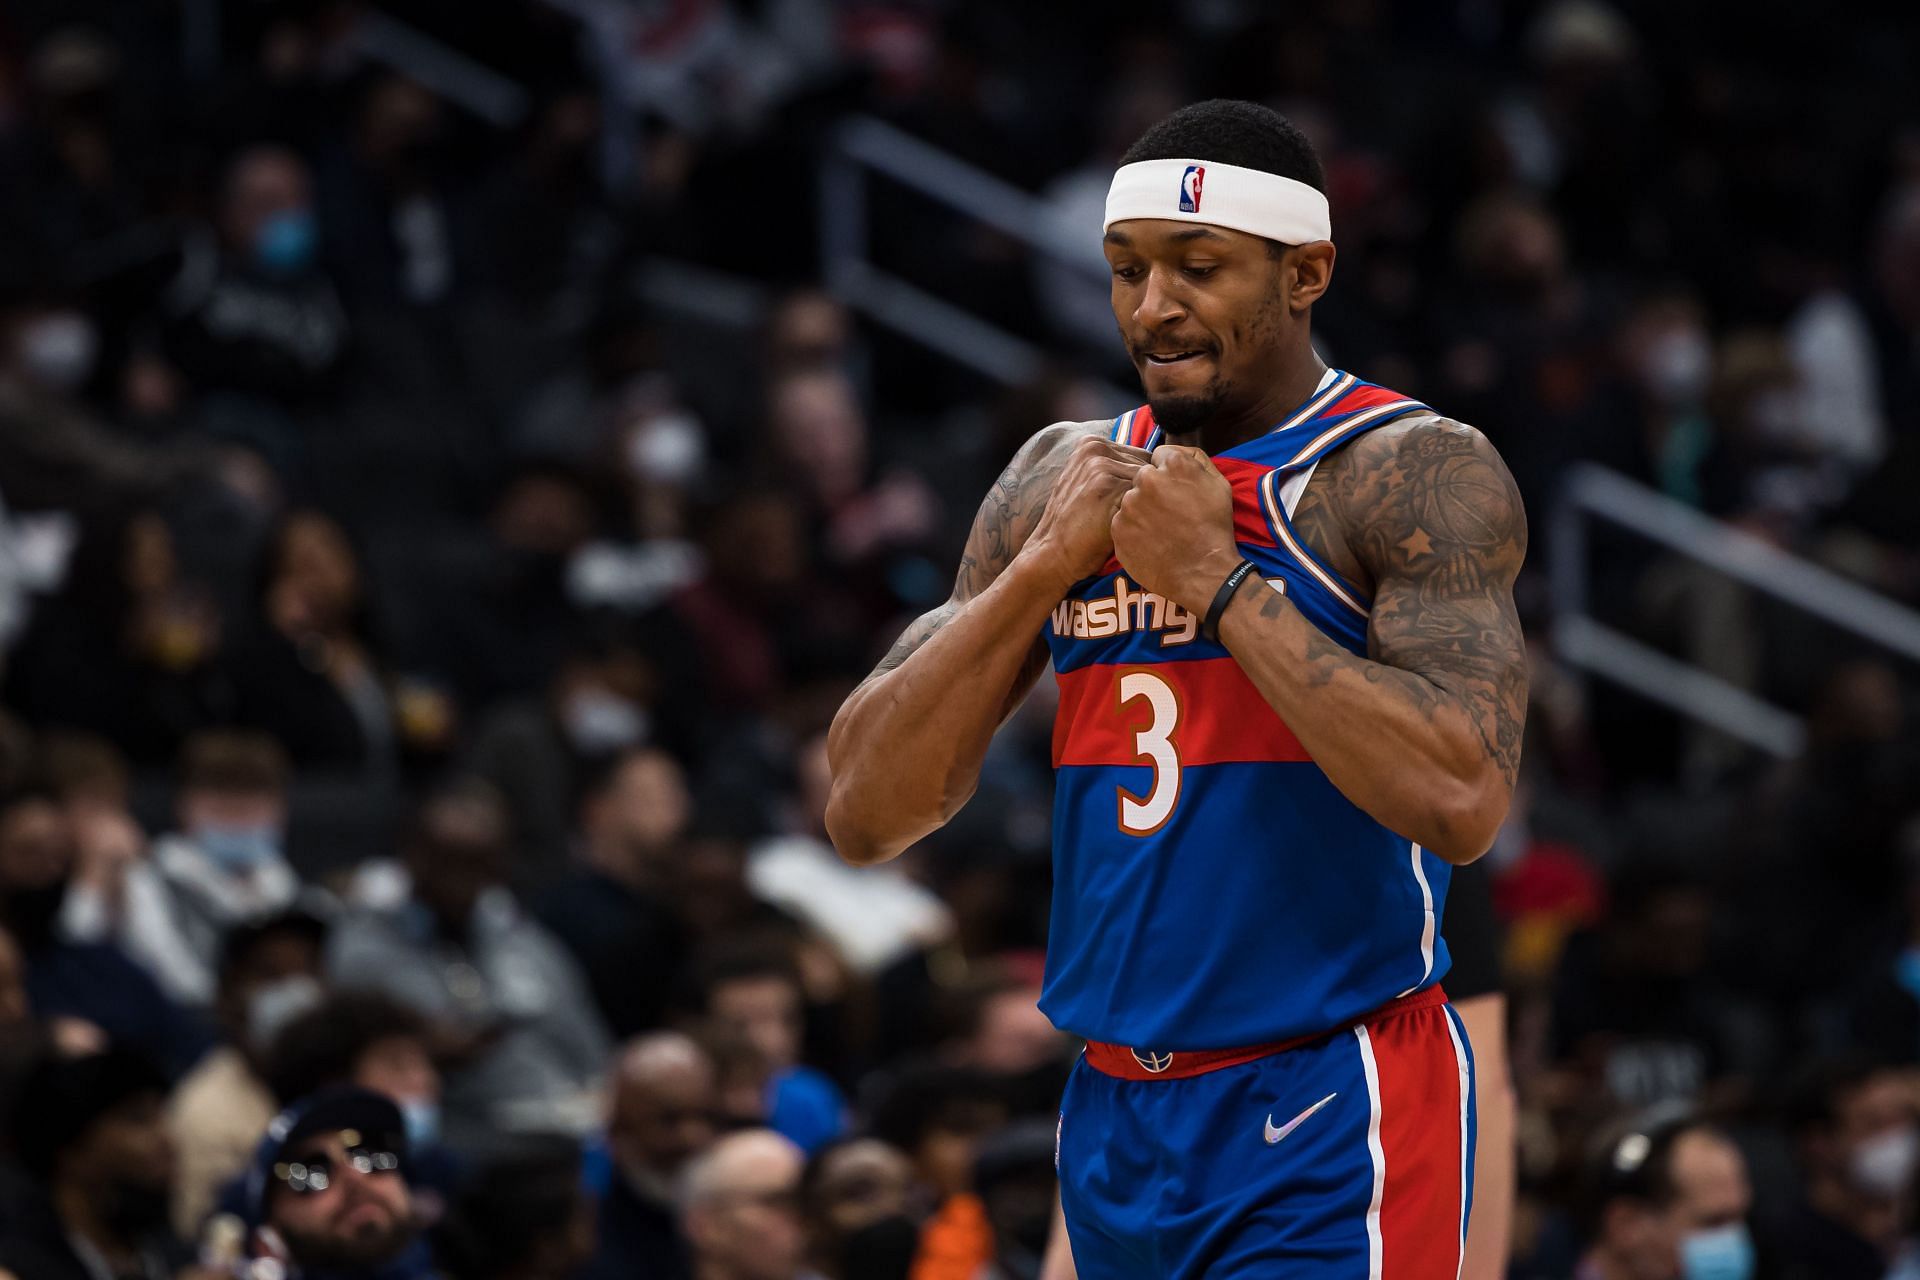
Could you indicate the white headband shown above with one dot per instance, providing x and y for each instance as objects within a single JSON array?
[{"x": 1222, "y": 195}]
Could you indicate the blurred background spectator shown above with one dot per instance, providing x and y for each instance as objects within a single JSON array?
[
  {"x": 88, "y": 1131},
  {"x": 454, "y": 459},
  {"x": 742, "y": 1214}
]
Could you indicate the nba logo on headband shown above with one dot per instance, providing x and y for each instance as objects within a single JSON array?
[
  {"x": 1190, "y": 188},
  {"x": 1248, "y": 200}
]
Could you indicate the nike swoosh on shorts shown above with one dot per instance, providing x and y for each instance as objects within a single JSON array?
[{"x": 1274, "y": 1135}]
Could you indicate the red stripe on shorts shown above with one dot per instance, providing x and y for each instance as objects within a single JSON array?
[{"x": 1422, "y": 1142}]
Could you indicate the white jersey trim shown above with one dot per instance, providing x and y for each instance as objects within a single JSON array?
[
  {"x": 1456, "y": 1031},
  {"x": 1375, "y": 1245},
  {"x": 1427, "y": 926}
]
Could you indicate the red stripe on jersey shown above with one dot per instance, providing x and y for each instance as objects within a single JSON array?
[
  {"x": 1222, "y": 718},
  {"x": 1422, "y": 1145},
  {"x": 1249, "y": 520},
  {"x": 1359, "y": 398},
  {"x": 1142, "y": 427}
]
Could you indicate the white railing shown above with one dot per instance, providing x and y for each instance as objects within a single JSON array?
[
  {"x": 1590, "y": 492},
  {"x": 863, "y": 147}
]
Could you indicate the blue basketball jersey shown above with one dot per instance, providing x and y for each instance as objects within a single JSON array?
[{"x": 1212, "y": 888}]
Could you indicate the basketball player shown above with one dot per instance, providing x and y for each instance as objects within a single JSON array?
[{"x": 1278, "y": 604}]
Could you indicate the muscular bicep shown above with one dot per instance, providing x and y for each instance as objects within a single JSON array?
[{"x": 1443, "y": 535}]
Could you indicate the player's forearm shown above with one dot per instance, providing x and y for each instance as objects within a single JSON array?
[
  {"x": 1400, "y": 746},
  {"x": 906, "y": 748}
]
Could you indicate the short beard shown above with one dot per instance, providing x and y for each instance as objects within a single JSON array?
[
  {"x": 322, "y": 1252},
  {"x": 1186, "y": 415}
]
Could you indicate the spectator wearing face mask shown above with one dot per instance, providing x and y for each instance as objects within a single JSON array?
[
  {"x": 226, "y": 862},
  {"x": 53, "y": 347},
  {"x": 253, "y": 315},
  {"x": 53, "y": 449},
  {"x": 1859, "y": 1145},
  {"x": 1668, "y": 1200},
  {"x": 89, "y": 1132},
  {"x": 269, "y": 973},
  {"x": 615, "y": 912},
  {"x": 858, "y": 1200},
  {"x": 540, "y": 753},
  {"x": 366, "y": 1039},
  {"x": 223, "y": 867},
  {"x": 939, "y": 1116}
]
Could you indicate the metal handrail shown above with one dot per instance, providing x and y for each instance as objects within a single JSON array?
[
  {"x": 1591, "y": 491},
  {"x": 980, "y": 195},
  {"x": 863, "y": 145}
]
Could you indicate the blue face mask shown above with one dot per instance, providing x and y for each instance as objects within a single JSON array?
[
  {"x": 286, "y": 241},
  {"x": 423, "y": 1122},
  {"x": 239, "y": 848},
  {"x": 1907, "y": 971},
  {"x": 1724, "y": 1253}
]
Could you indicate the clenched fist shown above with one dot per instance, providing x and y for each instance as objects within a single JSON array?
[
  {"x": 1075, "y": 533},
  {"x": 1173, "y": 531}
]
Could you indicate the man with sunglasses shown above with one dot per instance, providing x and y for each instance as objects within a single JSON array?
[{"x": 328, "y": 1197}]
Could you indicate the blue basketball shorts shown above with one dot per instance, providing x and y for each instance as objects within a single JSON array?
[{"x": 1347, "y": 1157}]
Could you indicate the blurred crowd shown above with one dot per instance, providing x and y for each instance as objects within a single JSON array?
[{"x": 441, "y": 510}]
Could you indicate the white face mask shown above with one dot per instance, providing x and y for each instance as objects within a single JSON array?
[
  {"x": 668, "y": 449},
  {"x": 1883, "y": 1165},
  {"x": 600, "y": 722},
  {"x": 58, "y": 350},
  {"x": 85, "y": 915},
  {"x": 274, "y": 1005},
  {"x": 1678, "y": 365}
]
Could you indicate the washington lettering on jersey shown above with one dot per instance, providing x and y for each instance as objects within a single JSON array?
[
  {"x": 1212, "y": 887},
  {"x": 1129, "y": 608}
]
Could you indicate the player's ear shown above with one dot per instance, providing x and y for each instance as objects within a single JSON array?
[{"x": 1312, "y": 272}]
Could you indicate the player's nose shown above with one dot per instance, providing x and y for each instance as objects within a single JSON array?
[{"x": 1159, "y": 304}]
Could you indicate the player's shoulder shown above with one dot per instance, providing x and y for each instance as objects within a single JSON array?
[
  {"x": 1420, "y": 436},
  {"x": 1414, "y": 452},
  {"x": 1060, "y": 437},
  {"x": 1418, "y": 468},
  {"x": 1049, "y": 448}
]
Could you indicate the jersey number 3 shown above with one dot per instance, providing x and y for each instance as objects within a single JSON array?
[{"x": 1144, "y": 815}]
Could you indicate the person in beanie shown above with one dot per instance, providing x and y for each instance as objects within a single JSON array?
[{"x": 327, "y": 1197}]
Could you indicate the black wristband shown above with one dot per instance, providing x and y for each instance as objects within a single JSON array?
[{"x": 1210, "y": 625}]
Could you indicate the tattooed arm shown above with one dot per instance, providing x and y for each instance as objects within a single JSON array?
[
  {"x": 1424, "y": 732},
  {"x": 905, "y": 750}
]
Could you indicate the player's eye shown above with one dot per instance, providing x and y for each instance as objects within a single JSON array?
[
  {"x": 1127, "y": 272},
  {"x": 1200, "y": 271}
]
